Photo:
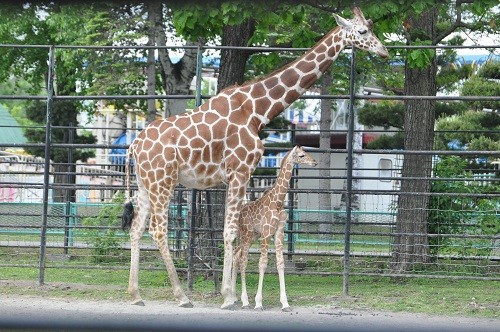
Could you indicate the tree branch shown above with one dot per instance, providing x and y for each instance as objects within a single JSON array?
[{"x": 457, "y": 24}]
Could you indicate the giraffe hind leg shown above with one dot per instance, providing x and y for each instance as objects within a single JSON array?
[
  {"x": 137, "y": 227},
  {"x": 159, "y": 232}
]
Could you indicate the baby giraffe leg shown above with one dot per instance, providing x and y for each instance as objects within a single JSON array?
[
  {"x": 262, "y": 269},
  {"x": 280, "y": 262},
  {"x": 243, "y": 268}
]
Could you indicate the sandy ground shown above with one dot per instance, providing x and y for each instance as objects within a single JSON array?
[{"x": 29, "y": 313}]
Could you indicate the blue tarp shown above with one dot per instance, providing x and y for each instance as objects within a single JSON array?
[{"x": 117, "y": 155}]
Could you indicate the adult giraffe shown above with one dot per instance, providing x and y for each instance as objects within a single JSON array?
[{"x": 218, "y": 142}]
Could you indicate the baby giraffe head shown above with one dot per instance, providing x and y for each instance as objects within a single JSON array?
[
  {"x": 299, "y": 156},
  {"x": 358, "y": 32}
]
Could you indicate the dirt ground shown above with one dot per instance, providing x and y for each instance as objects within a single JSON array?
[{"x": 45, "y": 313}]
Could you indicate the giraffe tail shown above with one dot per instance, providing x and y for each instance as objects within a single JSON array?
[
  {"x": 127, "y": 216},
  {"x": 128, "y": 207}
]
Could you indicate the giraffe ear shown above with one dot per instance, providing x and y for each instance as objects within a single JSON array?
[{"x": 346, "y": 24}]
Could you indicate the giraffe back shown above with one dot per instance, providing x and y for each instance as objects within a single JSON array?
[{"x": 204, "y": 147}]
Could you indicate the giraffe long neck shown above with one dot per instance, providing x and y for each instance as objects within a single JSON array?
[
  {"x": 282, "y": 184},
  {"x": 278, "y": 90}
]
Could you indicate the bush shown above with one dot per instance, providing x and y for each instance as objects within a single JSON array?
[
  {"x": 102, "y": 235},
  {"x": 468, "y": 215}
]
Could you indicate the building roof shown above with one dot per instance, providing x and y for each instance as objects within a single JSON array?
[{"x": 10, "y": 132}]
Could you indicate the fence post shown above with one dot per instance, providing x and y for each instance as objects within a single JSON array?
[
  {"x": 46, "y": 171},
  {"x": 291, "y": 213},
  {"x": 194, "y": 192},
  {"x": 69, "y": 175},
  {"x": 350, "y": 136}
]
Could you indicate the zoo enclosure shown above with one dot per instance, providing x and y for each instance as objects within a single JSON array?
[{"x": 342, "y": 240}]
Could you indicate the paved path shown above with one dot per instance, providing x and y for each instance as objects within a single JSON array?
[{"x": 48, "y": 314}]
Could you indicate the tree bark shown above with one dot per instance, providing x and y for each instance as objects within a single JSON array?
[
  {"x": 176, "y": 77},
  {"x": 151, "y": 62},
  {"x": 233, "y": 61},
  {"x": 324, "y": 160},
  {"x": 410, "y": 246}
]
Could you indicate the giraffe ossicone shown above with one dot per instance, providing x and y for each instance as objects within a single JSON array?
[
  {"x": 218, "y": 143},
  {"x": 265, "y": 218}
]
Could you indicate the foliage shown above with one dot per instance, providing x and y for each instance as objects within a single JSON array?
[
  {"x": 490, "y": 70},
  {"x": 102, "y": 236},
  {"x": 385, "y": 113},
  {"x": 452, "y": 69},
  {"x": 393, "y": 142},
  {"x": 390, "y": 114},
  {"x": 63, "y": 114},
  {"x": 450, "y": 214},
  {"x": 420, "y": 58},
  {"x": 98, "y": 71},
  {"x": 478, "y": 131},
  {"x": 484, "y": 83}
]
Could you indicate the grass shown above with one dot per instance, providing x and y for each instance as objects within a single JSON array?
[{"x": 473, "y": 298}]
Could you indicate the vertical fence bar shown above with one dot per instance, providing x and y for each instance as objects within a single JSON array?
[
  {"x": 192, "y": 225},
  {"x": 291, "y": 199},
  {"x": 194, "y": 192},
  {"x": 350, "y": 136},
  {"x": 69, "y": 179},
  {"x": 46, "y": 171}
]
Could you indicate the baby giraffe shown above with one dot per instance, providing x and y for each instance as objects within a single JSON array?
[{"x": 265, "y": 218}]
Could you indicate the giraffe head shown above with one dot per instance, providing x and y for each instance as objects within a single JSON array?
[
  {"x": 358, "y": 32},
  {"x": 299, "y": 156}
]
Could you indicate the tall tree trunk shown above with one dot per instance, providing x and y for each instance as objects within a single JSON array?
[
  {"x": 324, "y": 161},
  {"x": 152, "y": 11},
  {"x": 176, "y": 77},
  {"x": 233, "y": 61},
  {"x": 410, "y": 240}
]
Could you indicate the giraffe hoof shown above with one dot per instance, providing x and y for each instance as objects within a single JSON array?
[
  {"x": 247, "y": 306},
  {"x": 286, "y": 309},
  {"x": 259, "y": 308},
  {"x": 139, "y": 303},
  {"x": 187, "y": 304},
  {"x": 231, "y": 306}
]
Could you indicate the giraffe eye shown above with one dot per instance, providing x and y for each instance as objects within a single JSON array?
[{"x": 362, "y": 31}]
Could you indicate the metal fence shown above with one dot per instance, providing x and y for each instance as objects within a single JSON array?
[{"x": 345, "y": 239}]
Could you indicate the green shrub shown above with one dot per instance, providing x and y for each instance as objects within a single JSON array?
[
  {"x": 463, "y": 215},
  {"x": 102, "y": 235}
]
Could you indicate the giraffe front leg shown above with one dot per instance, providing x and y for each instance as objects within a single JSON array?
[
  {"x": 280, "y": 266},
  {"x": 234, "y": 196},
  {"x": 236, "y": 263},
  {"x": 262, "y": 269},
  {"x": 227, "y": 291},
  {"x": 160, "y": 238}
]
